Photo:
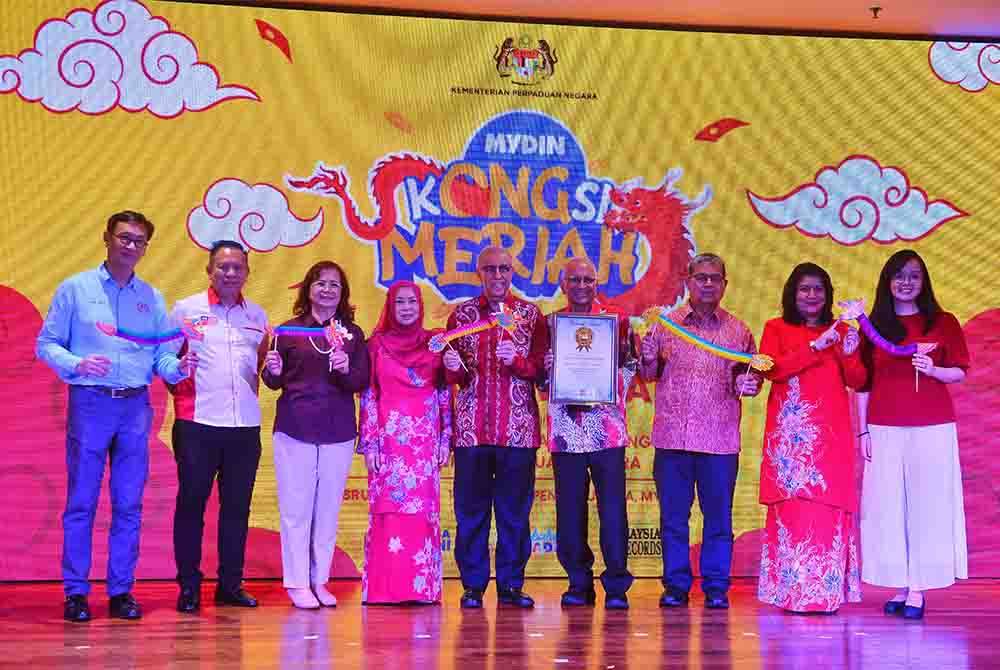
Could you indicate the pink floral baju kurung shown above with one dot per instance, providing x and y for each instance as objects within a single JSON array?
[{"x": 406, "y": 418}]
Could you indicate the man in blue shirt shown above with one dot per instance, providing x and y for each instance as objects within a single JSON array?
[{"x": 109, "y": 411}]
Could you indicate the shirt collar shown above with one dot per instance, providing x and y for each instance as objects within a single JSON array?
[
  {"x": 688, "y": 315},
  {"x": 595, "y": 308},
  {"x": 484, "y": 304},
  {"x": 105, "y": 276},
  {"x": 213, "y": 298}
]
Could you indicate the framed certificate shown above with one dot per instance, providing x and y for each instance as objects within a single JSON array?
[{"x": 584, "y": 359}]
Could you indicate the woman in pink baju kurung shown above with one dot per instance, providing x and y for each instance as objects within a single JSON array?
[{"x": 406, "y": 439}]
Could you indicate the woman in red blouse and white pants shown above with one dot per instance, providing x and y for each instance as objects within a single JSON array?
[{"x": 912, "y": 513}]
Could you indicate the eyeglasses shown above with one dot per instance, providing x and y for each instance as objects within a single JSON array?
[
  {"x": 580, "y": 281},
  {"x": 496, "y": 269},
  {"x": 326, "y": 285},
  {"x": 703, "y": 278},
  {"x": 912, "y": 278},
  {"x": 127, "y": 241}
]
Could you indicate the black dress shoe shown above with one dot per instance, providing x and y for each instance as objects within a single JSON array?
[
  {"x": 124, "y": 606},
  {"x": 673, "y": 598},
  {"x": 716, "y": 601},
  {"x": 189, "y": 600},
  {"x": 617, "y": 601},
  {"x": 915, "y": 613},
  {"x": 238, "y": 597},
  {"x": 894, "y": 607},
  {"x": 76, "y": 609},
  {"x": 472, "y": 600},
  {"x": 573, "y": 598},
  {"x": 515, "y": 597}
]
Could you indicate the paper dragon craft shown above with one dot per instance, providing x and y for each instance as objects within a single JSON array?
[
  {"x": 504, "y": 318},
  {"x": 854, "y": 310},
  {"x": 759, "y": 362},
  {"x": 335, "y": 333},
  {"x": 191, "y": 328}
]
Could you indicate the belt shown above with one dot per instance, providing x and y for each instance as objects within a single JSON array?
[{"x": 120, "y": 392}]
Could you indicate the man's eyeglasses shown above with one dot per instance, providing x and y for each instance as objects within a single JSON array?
[
  {"x": 574, "y": 280},
  {"x": 703, "y": 278},
  {"x": 128, "y": 240},
  {"x": 496, "y": 269}
]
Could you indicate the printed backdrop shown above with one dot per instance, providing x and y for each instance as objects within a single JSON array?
[{"x": 401, "y": 146}]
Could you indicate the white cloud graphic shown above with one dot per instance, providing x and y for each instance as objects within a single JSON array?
[
  {"x": 257, "y": 216},
  {"x": 119, "y": 55},
  {"x": 971, "y": 65},
  {"x": 856, "y": 201}
]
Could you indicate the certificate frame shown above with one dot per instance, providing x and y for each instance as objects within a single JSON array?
[{"x": 584, "y": 364}]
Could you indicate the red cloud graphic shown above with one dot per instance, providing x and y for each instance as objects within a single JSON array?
[
  {"x": 855, "y": 201},
  {"x": 119, "y": 55},
  {"x": 258, "y": 216}
]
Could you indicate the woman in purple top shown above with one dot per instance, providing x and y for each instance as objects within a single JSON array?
[{"x": 315, "y": 428}]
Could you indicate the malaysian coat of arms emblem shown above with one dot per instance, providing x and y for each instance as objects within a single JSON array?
[{"x": 528, "y": 63}]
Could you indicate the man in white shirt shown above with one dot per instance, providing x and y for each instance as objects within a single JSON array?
[{"x": 217, "y": 429}]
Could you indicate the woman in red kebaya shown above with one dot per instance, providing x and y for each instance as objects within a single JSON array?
[
  {"x": 912, "y": 513},
  {"x": 809, "y": 553}
]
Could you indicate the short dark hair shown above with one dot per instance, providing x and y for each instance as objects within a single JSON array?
[
  {"x": 226, "y": 244},
  {"x": 883, "y": 314},
  {"x": 303, "y": 304},
  {"x": 128, "y": 216},
  {"x": 715, "y": 259},
  {"x": 790, "y": 310}
]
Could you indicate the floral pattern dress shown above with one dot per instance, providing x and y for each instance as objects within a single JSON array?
[
  {"x": 406, "y": 418},
  {"x": 809, "y": 552}
]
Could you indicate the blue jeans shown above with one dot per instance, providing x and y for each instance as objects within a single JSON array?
[
  {"x": 489, "y": 480},
  {"x": 99, "y": 427},
  {"x": 676, "y": 474}
]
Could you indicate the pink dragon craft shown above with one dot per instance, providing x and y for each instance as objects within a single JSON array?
[
  {"x": 191, "y": 328},
  {"x": 505, "y": 319}
]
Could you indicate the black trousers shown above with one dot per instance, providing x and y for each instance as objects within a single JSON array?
[
  {"x": 491, "y": 480},
  {"x": 204, "y": 453},
  {"x": 573, "y": 474}
]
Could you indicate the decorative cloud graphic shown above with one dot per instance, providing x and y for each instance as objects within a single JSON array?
[
  {"x": 119, "y": 55},
  {"x": 971, "y": 65},
  {"x": 856, "y": 201},
  {"x": 258, "y": 216}
]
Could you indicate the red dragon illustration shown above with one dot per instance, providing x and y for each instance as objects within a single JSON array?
[
  {"x": 383, "y": 181},
  {"x": 662, "y": 214}
]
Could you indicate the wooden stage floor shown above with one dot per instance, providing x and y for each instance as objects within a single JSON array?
[{"x": 961, "y": 630}]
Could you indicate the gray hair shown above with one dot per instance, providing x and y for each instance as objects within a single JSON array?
[
  {"x": 491, "y": 249},
  {"x": 707, "y": 258}
]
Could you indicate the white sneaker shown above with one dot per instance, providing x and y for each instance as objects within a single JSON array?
[
  {"x": 303, "y": 599},
  {"x": 325, "y": 598}
]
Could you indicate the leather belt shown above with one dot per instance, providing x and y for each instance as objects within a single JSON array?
[{"x": 120, "y": 392}]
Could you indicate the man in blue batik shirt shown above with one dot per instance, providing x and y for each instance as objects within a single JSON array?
[{"x": 109, "y": 414}]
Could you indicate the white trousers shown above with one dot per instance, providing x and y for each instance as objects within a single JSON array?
[
  {"x": 912, "y": 509},
  {"x": 311, "y": 480}
]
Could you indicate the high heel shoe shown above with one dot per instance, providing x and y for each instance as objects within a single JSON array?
[
  {"x": 915, "y": 613},
  {"x": 894, "y": 607},
  {"x": 303, "y": 599}
]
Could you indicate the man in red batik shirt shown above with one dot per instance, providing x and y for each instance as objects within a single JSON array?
[{"x": 496, "y": 432}]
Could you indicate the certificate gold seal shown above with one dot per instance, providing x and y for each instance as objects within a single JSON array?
[{"x": 584, "y": 338}]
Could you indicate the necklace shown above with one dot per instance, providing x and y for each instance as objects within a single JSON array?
[{"x": 322, "y": 351}]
